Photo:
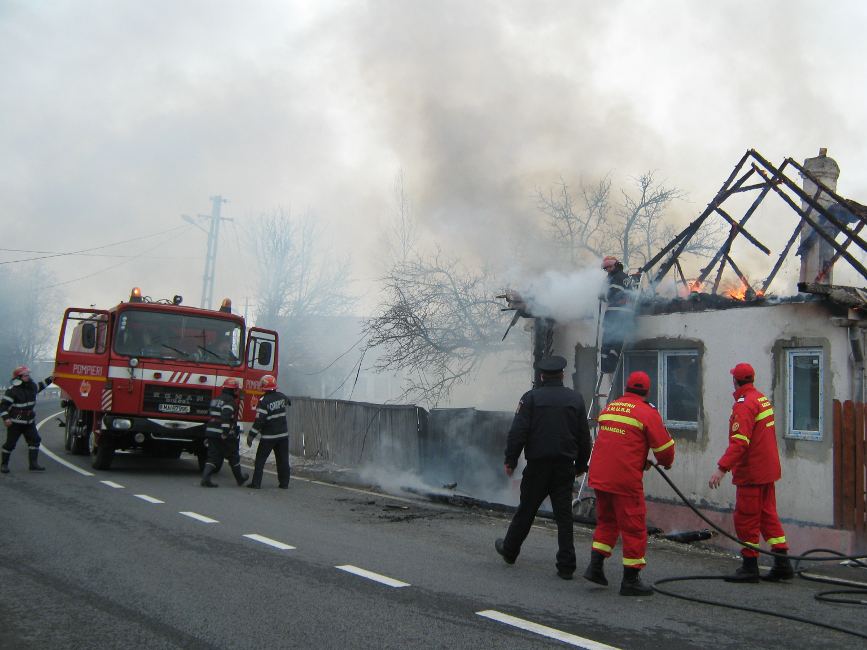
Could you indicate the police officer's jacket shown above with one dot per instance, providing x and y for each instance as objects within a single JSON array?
[
  {"x": 222, "y": 416},
  {"x": 550, "y": 423},
  {"x": 271, "y": 416},
  {"x": 19, "y": 402}
]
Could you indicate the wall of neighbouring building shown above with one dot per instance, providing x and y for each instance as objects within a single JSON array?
[{"x": 758, "y": 335}]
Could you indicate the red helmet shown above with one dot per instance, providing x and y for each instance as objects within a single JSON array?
[
  {"x": 609, "y": 260},
  {"x": 19, "y": 371},
  {"x": 232, "y": 383},
  {"x": 269, "y": 382}
]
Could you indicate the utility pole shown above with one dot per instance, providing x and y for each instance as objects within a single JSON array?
[{"x": 213, "y": 232}]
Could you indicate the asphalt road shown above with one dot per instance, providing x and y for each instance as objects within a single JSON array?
[{"x": 110, "y": 560}]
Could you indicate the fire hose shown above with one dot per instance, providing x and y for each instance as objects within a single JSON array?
[{"x": 844, "y": 596}]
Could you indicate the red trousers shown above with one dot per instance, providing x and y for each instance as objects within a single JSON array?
[
  {"x": 756, "y": 512},
  {"x": 620, "y": 514}
]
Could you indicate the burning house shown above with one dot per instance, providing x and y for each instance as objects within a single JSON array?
[{"x": 807, "y": 348}]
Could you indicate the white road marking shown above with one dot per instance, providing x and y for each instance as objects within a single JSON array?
[
  {"x": 544, "y": 630},
  {"x": 198, "y": 517},
  {"x": 370, "y": 575},
  {"x": 112, "y": 484},
  {"x": 145, "y": 497},
  {"x": 55, "y": 457},
  {"x": 269, "y": 542}
]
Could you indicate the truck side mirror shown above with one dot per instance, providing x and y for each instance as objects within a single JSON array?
[
  {"x": 264, "y": 356},
  {"x": 88, "y": 336}
]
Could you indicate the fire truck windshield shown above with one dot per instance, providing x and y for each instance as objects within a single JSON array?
[{"x": 166, "y": 335}]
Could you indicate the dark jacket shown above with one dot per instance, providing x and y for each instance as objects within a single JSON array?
[
  {"x": 271, "y": 416},
  {"x": 19, "y": 402},
  {"x": 223, "y": 414},
  {"x": 550, "y": 423},
  {"x": 616, "y": 295}
]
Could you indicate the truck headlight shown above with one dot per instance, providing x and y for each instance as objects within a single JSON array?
[{"x": 121, "y": 424}]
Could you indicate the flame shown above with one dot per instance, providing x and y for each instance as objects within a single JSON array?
[
  {"x": 737, "y": 293},
  {"x": 695, "y": 286}
]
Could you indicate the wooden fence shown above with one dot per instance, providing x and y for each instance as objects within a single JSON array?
[
  {"x": 850, "y": 467},
  {"x": 354, "y": 433}
]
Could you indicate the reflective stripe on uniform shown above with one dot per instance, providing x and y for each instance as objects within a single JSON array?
[
  {"x": 261, "y": 411},
  {"x": 773, "y": 541},
  {"x": 610, "y": 417},
  {"x": 599, "y": 546},
  {"x": 764, "y": 414},
  {"x": 663, "y": 447},
  {"x": 277, "y": 415},
  {"x": 769, "y": 424},
  {"x": 739, "y": 436},
  {"x": 276, "y": 436},
  {"x": 753, "y": 544},
  {"x": 632, "y": 561}
]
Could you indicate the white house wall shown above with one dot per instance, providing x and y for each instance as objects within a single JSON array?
[{"x": 754, "y": 335}]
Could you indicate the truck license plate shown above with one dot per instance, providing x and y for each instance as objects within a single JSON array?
[{"x": 173, "y": 408}]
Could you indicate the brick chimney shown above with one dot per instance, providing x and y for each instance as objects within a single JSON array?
[{"x": 815, "y": 252}]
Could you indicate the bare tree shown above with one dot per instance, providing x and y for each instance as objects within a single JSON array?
[
  {"x": 633, "y": 230},
  {"x": 299, "y": 284},
  {"x": 402, "y": 232},
  {"x": 30, "y": 311},
  {"x": 580, "y": 230},
  {"x": 437, "y": 322}
]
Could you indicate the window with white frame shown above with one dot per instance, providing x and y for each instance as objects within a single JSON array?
[
  {"x": 675, "y": 383},
  {"x": 804, "y": 394}
]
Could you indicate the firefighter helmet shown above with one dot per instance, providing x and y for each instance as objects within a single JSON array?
[
  {"x": 232, "y": 383},
  {"x": 269, "y": 382},
  {"x": 609, "y": 260},
  {"x": 20, "y": 371}
]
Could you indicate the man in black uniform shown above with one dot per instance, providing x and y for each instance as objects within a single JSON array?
[
  {"x": 222, "y": 434},
  {"x": 271, "y": 425},
  {"x": 18, "y": 412},
  {"x": 550, "y": 427},
  {"x": 616, "y": 321}
]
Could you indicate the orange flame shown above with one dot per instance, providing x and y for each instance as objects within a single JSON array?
[{"x": 695, "y": 286}]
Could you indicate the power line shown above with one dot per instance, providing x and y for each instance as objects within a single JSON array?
[
  {"x": 96, "y": 248},
  {"x": 160, "y": 257},
  {"x": 107, "y": 268}
]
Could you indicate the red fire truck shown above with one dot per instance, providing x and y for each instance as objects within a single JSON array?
[{"x": 142, "y": 374}]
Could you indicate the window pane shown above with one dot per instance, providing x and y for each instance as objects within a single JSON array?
[
  {"x": 806, "y": 378},
  {"x": 646, "y": 361},
  {"x": 681, "y": 385}
]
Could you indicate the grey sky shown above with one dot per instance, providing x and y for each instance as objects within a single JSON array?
[{"x": 116, "y": 117}]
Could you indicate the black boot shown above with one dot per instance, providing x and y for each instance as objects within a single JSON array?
[
  {"x": 33, "y": 454},
  {"x": 4, "y": 466},
  {"x": 632, "y": 585},
  {"x": 747, "y": 572},
  {"x": 240, "y": 477},
  {"x": 206, "y": 476},
  {"x": 782, "y": 569},
  {"x": 498, "y": 544},
  {"x": 594, "y": 571}
]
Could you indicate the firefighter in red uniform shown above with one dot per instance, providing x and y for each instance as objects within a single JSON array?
[
  {"x": 754, "y": 462},
  {"x": 629, "y": 428}
]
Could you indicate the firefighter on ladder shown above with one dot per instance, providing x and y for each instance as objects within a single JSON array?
[
  {"x": 271, "y": 425},
  {"x": 629, "y": 428},
  {"x": 18, "y": 412},
  {"x": 222, "y": 434},
  {"x": 615, "y": 322},
  {"x": 754, "y": 461}
]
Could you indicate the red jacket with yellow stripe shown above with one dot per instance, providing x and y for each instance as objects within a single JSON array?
[
  {"x": 752, "y": 455},
  {"x": 629, "y": 428}
]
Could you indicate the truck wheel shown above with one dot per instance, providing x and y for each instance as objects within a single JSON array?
[
  {"x": 77, "y": 431},
  {"x": 102, "y": 456}
]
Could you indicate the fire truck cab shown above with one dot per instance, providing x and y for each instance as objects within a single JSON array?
[{"x": 141, "y": 375}]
